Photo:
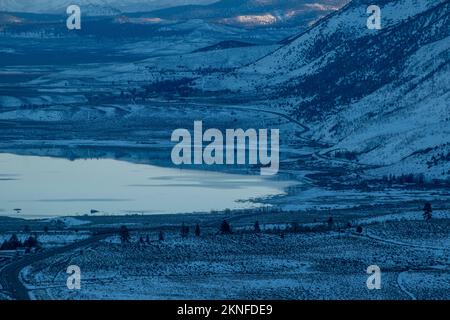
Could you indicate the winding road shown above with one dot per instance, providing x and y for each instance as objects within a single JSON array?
[
  {"x": 10, "y": 274},
  {"x": 400, "y": 281}
]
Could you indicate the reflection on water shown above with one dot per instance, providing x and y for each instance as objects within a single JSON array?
[{"x": 45, "y": 187}]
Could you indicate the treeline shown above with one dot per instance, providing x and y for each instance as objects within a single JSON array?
[
  {"x": 13, "y": 243},
  {"x": 181, "y": 87},
  {"x": 185, "y": 230},
  {"x": 441, "y": 157},
  {"x": 418, "y": 179},
  {"x": 405, "y": 178},
  {"x": 347, "y": 155}
]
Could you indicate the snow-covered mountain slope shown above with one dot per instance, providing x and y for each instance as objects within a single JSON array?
[
  {"x": 387, "y": 98},
  {"x": 380, "y": 94},
  {"x": 406, "y": 123},
  {"x": 305, "y": 53},
  {"x": 94, "y": 6},
  {"x": 208, "y": 60}
]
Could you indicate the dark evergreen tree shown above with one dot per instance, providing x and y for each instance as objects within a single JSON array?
[
  {"x": 256, "y": 227},
  {"x": 184, "y": 230},
  {"x": 14, "y": 243},
  {"x": 427, "y": 211},
  {"x": 124, "y": 234},
  {"x": 31, "y": 242},
  {"x": 225, "y": 227},
  {"x": 330, "y": 222},
  {"x": 4, "y": 245},
  {"x": 161, "y": 236},
  {"x": 197, "y": 230}
]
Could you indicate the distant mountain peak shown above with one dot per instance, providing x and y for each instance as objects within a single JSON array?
[{"x": 104, "y": 7}]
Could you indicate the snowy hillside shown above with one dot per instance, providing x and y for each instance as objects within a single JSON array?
[
  {"x": 306, "y": 52},
  {"x": 381, "y": 95}
]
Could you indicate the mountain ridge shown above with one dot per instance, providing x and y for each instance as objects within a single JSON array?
[
  {"x": 349, "y": 84},
  {"x": 115, "y": 6}
]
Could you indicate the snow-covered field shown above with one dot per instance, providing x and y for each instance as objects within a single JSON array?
[
  {"x": 50, "y": 239},
  {"x": 317, "y": 265}
]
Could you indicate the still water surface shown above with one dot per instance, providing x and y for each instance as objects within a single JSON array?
[{"x": 48, "y": 187}]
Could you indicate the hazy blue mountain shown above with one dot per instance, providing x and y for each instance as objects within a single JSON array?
[
  {"x": 251, "y": 13},
  {"x": 106, "y": 7}
]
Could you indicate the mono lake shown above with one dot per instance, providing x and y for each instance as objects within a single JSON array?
[{"x": 47, "y": 187}]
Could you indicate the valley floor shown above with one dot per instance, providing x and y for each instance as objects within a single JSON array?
[{"x": 125, "y": 103}]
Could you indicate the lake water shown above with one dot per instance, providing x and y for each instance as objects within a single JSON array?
[{"x": 47, "y": 187}]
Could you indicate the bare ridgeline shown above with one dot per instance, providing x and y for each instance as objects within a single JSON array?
[{"x": 308, "y": 144}]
